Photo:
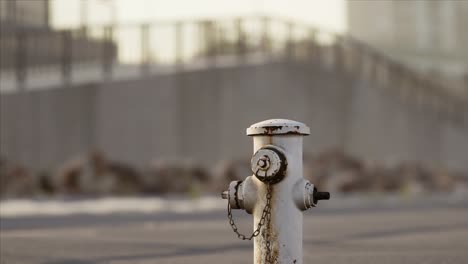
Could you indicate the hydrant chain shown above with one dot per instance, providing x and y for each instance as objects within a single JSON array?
[
  {"x": 268, "y": 258},
  {"x": 266, "y": 215}
]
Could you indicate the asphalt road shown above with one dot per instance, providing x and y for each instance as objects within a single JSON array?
[{"x": 416, "y": 234}]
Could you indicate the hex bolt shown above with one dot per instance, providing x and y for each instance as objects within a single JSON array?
[{"x": 261, "y": 163}]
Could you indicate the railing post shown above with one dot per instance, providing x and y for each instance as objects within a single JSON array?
[
  {"x": 178, "y": 44},
  {"x": 312, "y": 45},
  {"x": 66, "y": 57},
  {"x": 417, "y": 87},
  {"x": 21, "y": 60},
  {"x": 289, "y": 40},
  {"x": 338, "y": 54},
  {"x": 465, "y": 84},
  {"x": 437, "y": 103},
  {"x": 406, "y": 91},
  {"x": 266, "y": 37},
  {"x": 357, "y": 57},
  {"x": 210, "y": 40},
  {"x": 82, "y": 35},
  {"x": 145, "y": 52},
  {"x": 214, "y": 35},
  {"x": 373, "y": 59},
  {"x": 241, "y": 40},
  {"x": 108, "y": 52}
]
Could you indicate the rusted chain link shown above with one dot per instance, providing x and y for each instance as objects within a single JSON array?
[
  {"x": 266, "y": 218},
  {"x": 268, "y": 257}
]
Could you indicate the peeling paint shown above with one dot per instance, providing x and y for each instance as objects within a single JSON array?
[{"x": 278, "y": 127}]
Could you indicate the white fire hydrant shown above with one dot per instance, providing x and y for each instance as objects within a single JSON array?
[{"x": 276, "y": 193}]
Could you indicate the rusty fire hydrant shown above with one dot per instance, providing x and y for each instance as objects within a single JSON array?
[{"x": 276, "y": 193}]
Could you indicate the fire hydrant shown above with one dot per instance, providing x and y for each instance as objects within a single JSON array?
[{"x": 276, "y": 193}]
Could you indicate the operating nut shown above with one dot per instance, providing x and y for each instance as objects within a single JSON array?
[
  {"x": 269, "y": 164},
  {"x": 264, "y": 163}
]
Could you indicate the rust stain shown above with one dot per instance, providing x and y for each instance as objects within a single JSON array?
[
  {"x": 274, "y": 249},
  {"x": 293, "y": 133},
  {"x": 273, "y": 235},
  {"x": 271, "y": 129}
]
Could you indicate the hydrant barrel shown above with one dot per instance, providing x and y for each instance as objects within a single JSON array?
[{"x": 285, "y": 231}]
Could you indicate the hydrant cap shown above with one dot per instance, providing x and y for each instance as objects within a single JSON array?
[{"x": 278, "y": 127}]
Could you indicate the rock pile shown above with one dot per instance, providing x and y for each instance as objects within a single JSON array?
[
  {"x": 15, "y": 180},
  {"x": 94, "y": 174}
]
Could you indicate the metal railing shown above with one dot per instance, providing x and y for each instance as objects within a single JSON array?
[{"x": 101, "y": 53}]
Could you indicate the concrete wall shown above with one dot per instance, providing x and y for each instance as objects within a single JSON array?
[
  {"x": 44, "y": 128},
  {"x": 429, "y": 36},
  {"x": 203, "y": 114},
  {"x": 138, "y": 120},
  {"x": 455, "y": 147},
  {"x": 386, "y": 128}
]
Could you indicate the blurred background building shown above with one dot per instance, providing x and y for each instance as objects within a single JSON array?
[
  {"x": 24, "y": 14},
  {"x": 429, "y": 36},
  {"x": 141, "y": 99}
]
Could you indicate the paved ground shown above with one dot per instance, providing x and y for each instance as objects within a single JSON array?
[{"x": 412, "y": 234}]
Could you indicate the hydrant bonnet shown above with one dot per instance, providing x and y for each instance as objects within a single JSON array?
[{"x": 278, "y": 127}]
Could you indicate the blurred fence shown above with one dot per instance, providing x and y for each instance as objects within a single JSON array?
[{"x": 31, "y": 60}]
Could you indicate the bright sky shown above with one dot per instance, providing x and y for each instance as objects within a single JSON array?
[{"x": 328, "y": 14}]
